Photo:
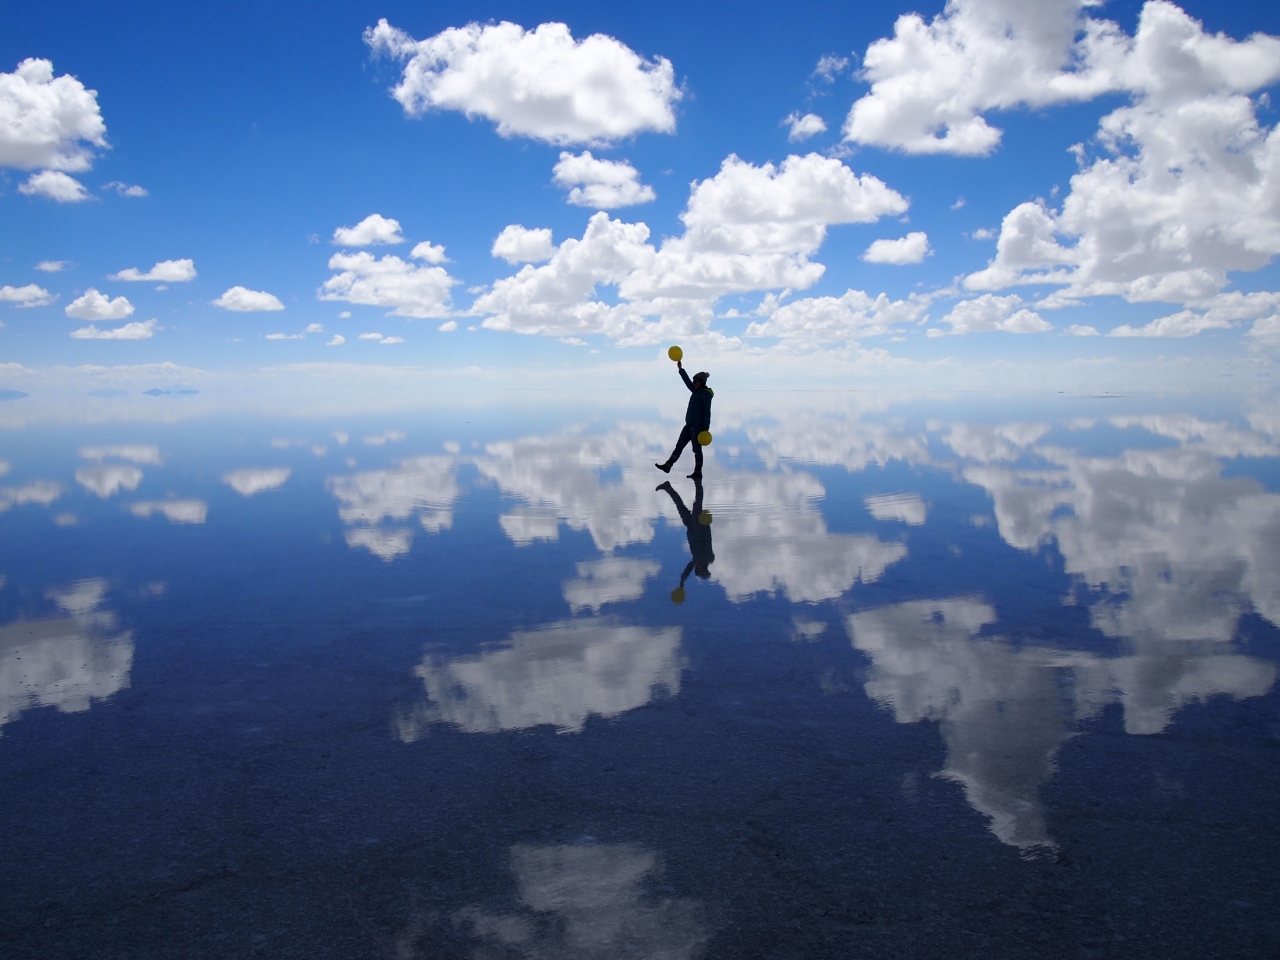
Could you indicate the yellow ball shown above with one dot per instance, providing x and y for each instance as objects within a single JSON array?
[
  {"x": 677, "y": 595},
  {"x": 675, "y": 353},
  {"x": 704, "y": 437},
  {"x": 704, "y": 518}
]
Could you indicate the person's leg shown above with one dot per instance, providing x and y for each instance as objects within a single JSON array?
[
  {"x": 697, "y": 458},
  {"x": 685, "y": 437}
]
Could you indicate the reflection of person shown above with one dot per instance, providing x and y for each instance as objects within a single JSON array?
[
  {"x": 697, "y": 525},
  {"x": 696, "y": 419}
]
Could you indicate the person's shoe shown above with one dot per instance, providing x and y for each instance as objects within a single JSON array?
[
  {"x": 696, "y": 475},
  {"x": 664, "y": 467},
  {"x": 664, "y": 485}
]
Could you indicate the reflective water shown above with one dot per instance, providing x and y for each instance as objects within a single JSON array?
[{"x": 912, "y": 677}]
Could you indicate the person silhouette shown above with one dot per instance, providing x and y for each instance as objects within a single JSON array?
[
  {"x": 697, "y": 417},
  {"x": 697, "y": 525}
]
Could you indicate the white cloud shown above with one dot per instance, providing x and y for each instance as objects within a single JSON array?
[
  {"x": 369, "y": 336},
  {"x": 285, "y": 336},
  {"x": 449, "y": 326},
  {"x": 373, "y": 229},
  {"x": 412, "y": 290},
  {"x": 166, "y": 271},
  {"x": 52, "y": 266},
  {"x": 830, "y": 66},
  {"x": 541, "y": 84},
  {"x": 243, "y": 300},
  {"x": 1266, "y": 330},
  {"x": 175, "y": 511},
  {"x": 391, "y": 340},
  {"x": 931, "y": 82},
  {"x": 1081, "y": 330},
  {"x": 47, "y": 121},
  {"x": 517, "y": 244},
  {"x": 1183, "y": 189},
  {"x": 253, "y": 480},
  {"x": 314, "y": 328},
  {"x": 853, "y": 315},
  {"x": 30, "y": 295},
  {"x": 912, "y": 248},
  {"x": 802, "y": 128},
  {"x": 137, "y": 330},
  {"x": 989, "y": 313},
  {"x": 93, "y": 305},
  {"x": 133, "y": 452},
  {"x": 600, "y": 184},
  {"x": 1185, "y": 323},
  {"x": 54, "y": 185},
  {"x": 108, "y": 479},
  {"x": 124, "y": 189},
  {"x": 747, "y": 228}
]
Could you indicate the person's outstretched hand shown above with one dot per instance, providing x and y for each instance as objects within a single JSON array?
[{"x": 679, "y": 365}]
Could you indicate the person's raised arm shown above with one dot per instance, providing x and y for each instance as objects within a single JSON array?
[{"x": 684, "y": 376}]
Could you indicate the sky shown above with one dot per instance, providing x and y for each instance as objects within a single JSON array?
[{"x": 816, "y": 187}]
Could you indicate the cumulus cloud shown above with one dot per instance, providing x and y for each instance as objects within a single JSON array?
[
  {"x": 1081, "y": 330},
  {"x": 137, "y": 330},
  {"x": 988, "y": 313},
  {"x": 285, "y": 336},
  {"x": 377, "y": 503},
  {"x": 42, "y": 492},
  {"x": 541, "y": 84},
  {"x": 830, "y": 66},
  {"x": 1183, "y": 189},
  {"x": 166, "y": 271},
  {"x": 54, "y": 185},
  {"x": 373, "y": 229},
  {"x": 336, "y": 341},
  {"x": 853, "y": 315},
  {"x": 517, "y": 244},
  {"x": 30, "y": 295},
  {"x": 747, "y": 228},
  {"x": 931, "y": 82},
  {"x": 52, "y": 266},
  {"x": 802, "y": 128},
  {"x": 93, "y": 305},
  {"x": 253, "y": 480},
  {"x": 175, "y": 511},
  {"x": 243, "y": 300},
  {"x": 46, "y": 121},
  {"x": 601, "y": 184},
  {"x": 1185, "y": 323},
  {"x": 124, "y": 189},
  {"x": 912, "y": 248},
  {"x": 411, "y": 290}
]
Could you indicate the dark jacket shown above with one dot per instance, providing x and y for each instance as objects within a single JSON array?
[{"x": 698, "y": 416}]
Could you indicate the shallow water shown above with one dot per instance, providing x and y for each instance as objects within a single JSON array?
[{"x": 967, "y": 676}]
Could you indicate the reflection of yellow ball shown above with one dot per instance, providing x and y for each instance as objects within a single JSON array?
[
  {"x": 704, "y": 437},
  {"x": 704, "y": 518},
  {"x": 675, "y": 353},
  {"x": 677, "y": 595}
]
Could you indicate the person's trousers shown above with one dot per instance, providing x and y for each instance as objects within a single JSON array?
[{"x": 688, "y": 435}]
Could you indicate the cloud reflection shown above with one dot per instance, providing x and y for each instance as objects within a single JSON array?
[
  {"x": 588, "y": 901},
  {"x": 558, "y": 675},
  {"x": 65, "y": 662},
  {"x": 109, "y": 479},
  {"x": 423, "y": 486},
  {"x": 175, "y": 511}
]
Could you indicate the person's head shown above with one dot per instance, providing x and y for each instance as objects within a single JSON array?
[
  {"x": 702, "y": 570},
  {"x": 700, "y": 378}
]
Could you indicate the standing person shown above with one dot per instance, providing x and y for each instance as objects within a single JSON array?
[
  {"x": 696, "y": 419},
  {"x": 697, "y": 525}
]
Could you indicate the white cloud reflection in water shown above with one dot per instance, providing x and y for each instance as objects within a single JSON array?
[
  {"x": 589, "y": 901},
  {"x": 68, "y": 661},
  {"x": 376, "y": 504},
  {"x": 558, "y": 675}
]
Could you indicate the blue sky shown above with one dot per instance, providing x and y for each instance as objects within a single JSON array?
[{"x": 256, "y": 133}]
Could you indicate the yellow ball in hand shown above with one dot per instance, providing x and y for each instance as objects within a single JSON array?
[
  {"x": 704, "y": 438},
  {"x": 675, "y": 353},
  {"x": 677, "y": 595}
]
